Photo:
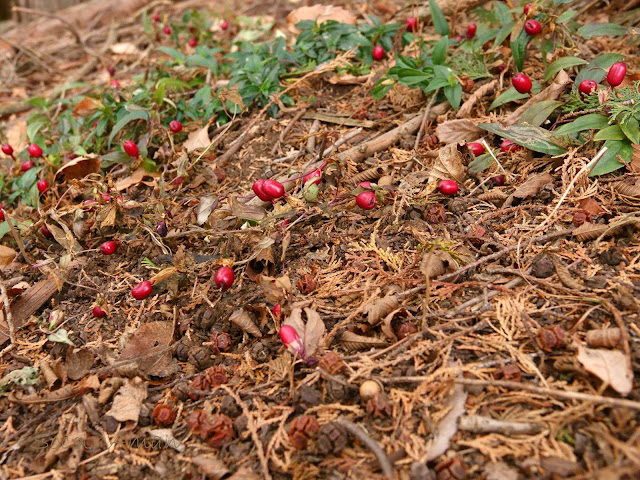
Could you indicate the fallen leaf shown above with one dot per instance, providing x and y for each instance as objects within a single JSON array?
[
  {"x": 128, "y": 401},
  {"x": 86, "y": 106},
  {"x": 125, "y": 48},
  {"x": 245, "y": 211},
  {"x": 148, "y": 349},
  {"x": 78, "y": 362},
  {"x": 449, "y": 164},
  {"x": 261, "y": 264},
  {"x": 456, "y": 131},
  {"x": 66, "y": 239},
  {"x": 242, "y": 319},
  {"x": 348, "y": 79},
  {"x": 591, "y": 206},
  {"x": 611, "y": 366},
  {"x": 448, "y": 426},
  {"x": 532, "y": 186},
  {"x": 499, "y": 471},
  {"x": 79, "y": 168},
  {"x": 6, "y": 255},
  {"x": 380, "y": 308},
  {"x": 166, "y": 436},
  {"x": 436, "y": 263},
  {"x": 320, "y": 14},
  {"x": 275, "y": 289},
  {"x": 467, "y": 106},
  {"x": 205, "y": 207},
  {"x": 136, "y": 178},
  {"x": 210, "y": 466},
  {"x": 197, "y": 139},
  {"x": 311, "y": 332}
]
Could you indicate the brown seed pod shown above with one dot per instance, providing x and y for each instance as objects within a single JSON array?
[
  {"x": 369, "y": 174},
  {"x": 242, "y": 319},
  {"x": 352, "y": 341},
  {"x": 551, "y": 338},
  {"x": 604, "y": 337},
  {"x": 369, "y": 388},
  {"x": 509, "y": 372},
  {"x": 332, "y": 363},
  {"x": 579, "y": 218},
  {"x": 332, "y": 438},
  {"x": 301, "y": 430},
  {"x": 164, "y": 415},
  {"x": 494, "y": 195},
  {"x": 451, "y": 469},
  {"x": 436, "y": 214},
  {"x": 219, "y": 342}
]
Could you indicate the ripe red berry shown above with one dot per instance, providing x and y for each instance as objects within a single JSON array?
[
  {"x": 521, "y": 83},
  {"x": 167, "y": 30},
  {"x": 42, "y": 185},
  {"x": 34, "y": 150},
  {"x": 1, "y": 214},
  {"x": 46, "y": 232},
  {"x": 532, "y": 27},
  {"x": 142, "y": 290},
  {"x": 471, "y": 31},
  {"x": 587, "y": 87},
  {"x": 273, "y": 188},
  {"x": 193, "y": 42},
  {"x": 616, "y": 74},
  {"x": 366, "y": 200},
  {"x": 178, "y": 181},
  {"x": 224, "y": 25},
  {"x": 277, "y": 310},
  {"x": 412, "y": 24},
  {"x": 476, "y": 148},
  {"x": 497, "y": 181},
  {"x": 130, "y": 148},
  {"x": 7, "y": 149},
  {"x": 526, "y": 8},
  {"x": 315, "y": 176},
  {"x": 508, "y": 146},
  {"x": 114, "y": 83},
  {"x": 175, "y": 126},
  {"x": 27, "y": 165},
  {"x": 259, "y": 191},
  {"x": 224, "y": 278},
  {"x": 156, "y": 17},
  {"x": 98, "y": 312},
  {"x": 288, "y": 334},
  {"x": 111, "y": 70},
  {"x": 448, "y": 187},
  {"x": 109, "y": 247},
  {"x": 378, "y": 52}
]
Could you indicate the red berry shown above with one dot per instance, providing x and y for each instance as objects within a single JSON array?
[
  {"x": 142, "y": 290},
  {"x": 412, "y": 24},
  {"x": 532, "y": 27},
  {"x": 46, "y": 232},
  {"x": 378, "y": 52},
  {"x": 178, "y": 180},
  {"x": 7, "y": 149},
  {"x": 98, "y": 312},
  {"x": 114, "y": 83},
  {"x": 258, "y": 190},
  {"x": 616, "y": 74},
  {"x": 476, "y": 148},
  {"x": 471, "y": 31},
  {"x": 193, "y": 42},
  {"x": 34, "y": 150},
  {"x": 448, "y": 187},
  {"x": 162, "y": 230},
  {"x": 27, "y": 165},
  {"x": 497, "y": 181},
  {"x": 458, "y": 38},
  {"x": 526, "y": 8},
  {"x": 175, "y": 126},
  {"x": 288, "y": 334},
  {"x": 167, "y": 30},
  {"x": 111, "y": 70},
  {"x": 156, "y": 17},
  {"x": 130, "y": 148},
  {"x": 109, "y": 247},
  {"x": 273, "y": 188},
  {"x": 366, "y": 200},
  {"x": 224, "y": 278},
  {"x": 315, "y": 177},
  {"x": 277, "y": 310},
  {"x": 224, "y": 25},
  {"x": 587, "y": 87},
  {"x": 521, "y": 83},
  {"x": 508, "y": 146},
  {"x": 1, "y": 214},
  {"x": 42, "y": 185}
]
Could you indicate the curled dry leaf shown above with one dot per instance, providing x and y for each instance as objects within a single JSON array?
[
  {"x": 166, "y": 436},
  {"x": 242, "y": 319},
  {"x": 380, "y": 308},
  {"x": 460, "y": 130},
  {"x": 64, "y": 237},
  {"x": 311, "y": 332},
  {"x": 163, "y": 275},
  {"x": 494, "y": 195},
  {"x": 353, "y": 342},
  {"x": 591, "y": 206},
  {"x": 246, "y": 211},
  {"x": 261, "y": 264},
  {"x": 627, "y": 189},
  {"x": 78, "y": 362},
  {"x": 6, "y": 255},
  {"x": 467, "y": 107},
  {"x": 87, "y": 106},
  {"x": 436, "y": 263},
  {"x": 449, "y": 164},
  {"x": 198, "y": 139},
  {"x": 565, "y": 276},
  {"x": 532, "y": 187},
  {"x": 128, "y": 401},
  {"x": 79, "y": 167},
  {"x": 447, "y": 427},
  {"x": 392, "y": 320},
  {"x": 136, "y": 178},
  {"x": 275, "y": 289},
  {"x": 205, "y": 207},
  {"x": 610, "y": 366}
]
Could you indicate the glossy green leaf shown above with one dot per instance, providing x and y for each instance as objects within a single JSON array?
[
  {"x": 509, "y": 95},
  {"x": 480, "y": 163},
  {"x": 562, "y": 64},
  {"x": 454, "y": 95},
  {"x": 612, "y": 132},
  {"x": 538, "y": 113},
  {"x": 519, "y": 49},
  {"x": 591, "y": 121},
  {"x": 597, "y": 68},
  {"x": 531, "y": 137},
  {"x": 381, "y": 88},
  {"x": 609, "y": 161},
  {"x": 129, "y": 117},
  {"x": 503, "y": 33},
  {"x": 597, "y": 29},
  {"x": 566, "y": 16},
  {"x": 412, "y": 76},
  {"x": 630, "y": 128},
  {"x": 439, "y": 22},
  {"x": 439, "y": 53}
]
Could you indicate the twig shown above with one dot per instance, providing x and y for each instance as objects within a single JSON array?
[
  {"x": 600, "y": 399},
  {"x": 480, "y": 424},
  {"x": 7, "y": 309},
  {"x": 424, "y": 119},
  {"x": 18, "y": 239},
  {"x": 29, "y": 53},
  {"x": 286, "y": 130},
  {"x": 383, "y": 459},
  {"x": 311, "y": 141}
]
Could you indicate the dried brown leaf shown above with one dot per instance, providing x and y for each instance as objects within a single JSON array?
[
  {"x": 352, "y": 341},
  {"x": 611, "y": 366},
  {"x": 6, "y": 255},
  {"x": 261, "y": 264},
  {"x": 449, "y": 164},
  {"x": 532, "y": 186},
  {"x": 86, "y": 106},
  {"x": 627, "y": 189},
  {"x": 148, "y": 349},
  {"x": 591, "y": 206},
  {"x": 198, "y": 139},
  {"x": 460, "y": 130},
  {"x": 78, "y": 362},
  {"x": 275, "y": 289},
  {"x": 588, "y": 231},
  {"x": 128, "y": 401},
  {"x": 467, "y": 107},
  {"x": 137, "y": 177},
  {"x": 565, "y": 276},
  {"x": 242, "y": 319},
  {"x": 125, "y": 48},
  {"x": 211, "y": 466},
  {"x": 436, "y": 263},
  {"x": 64, "y": 238},
  {"x": 494, "y": 195},
  {"x": 207, "y": 204},
  {"x": 163, "y": 275},
  {"x": 246, "y": 211},
  {"x": 79, "y": 168},
  {"x": 380, "y": 308}
]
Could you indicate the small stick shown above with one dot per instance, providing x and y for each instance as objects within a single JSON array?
[
  {"x": 311, "y": 141},
  {"x": 427, "y": 111},
  {"x": 383, "y": 459},
  {"x": 7, "y": 309},
  {"x": 286, "y": 130}
]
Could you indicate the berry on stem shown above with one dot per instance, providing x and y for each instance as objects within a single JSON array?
[
  {"x": 521, "y": 83},
  {"x": 98, "y": 312},
  {"x": 526, "y": 8},
  {"x": 42, "y": 185},
  {"x": 258, "y": 189},
  {"x": 366, "y": 200},
  {"x": 497, "y": 181},
  {"x": 161, "y": 229},
  {"x": 476, "y": 148},
  {"x": 1, "y": 214},
  {"x": 273, "y": 188},
  {"x": 34, "y": 150},
  {"x": 109, "y": 247},
  {"x": 277, "y": 310},
  {"x": 27, "y": 165},
  {"x": 224, "y": 278},
  {"x": 175, "y": 126},
  {"x": 448, "y": 187},
  {"x": 193, "y": 42},
  {"x": 616, "y": 74},
  {"x": 142, "y": 290},
  {"x": 471, "y": 31},
  {"x": 315, "y": 177},
  {"x": 378, "y": 52},
  {"x": 508, "y": 146},
  {"x": 167, "y": 30},
  {"x": 7, "y": 149},
  {"x": 130, "y": 148},
  {"x": 290, "y": 339},
  {"x": 587, "y": 87},
  {"x": 156, "y": 17},
  {"x": 46, "y": 232},
  {"x": 412, "y": 24},
  {"x": 532, "y": 27}
]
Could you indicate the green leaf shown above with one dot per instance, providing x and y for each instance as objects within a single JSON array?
[
  {"x": 146, "y": 24},
  {"x": 60, "y": 336},
  {"x": 412, "y": 76},
  {"x": 509, "y": 95},
  {"x": 538, "y": 113},
  {"x": 454, "y": 95},
  {"x": 591, "y": 121},
  {"x": 199, "y": 61},
  {"x": 630, "y": 128},
  {"x": 533, "y": 138},
  {"x": 597, "y": 29},
  {"x": 562, "y": 2},
  {"x": 519, "y": 49},
  {"x": 129, "y": 117},
  {"x": 609, "y": 161},
  {"x": 22, "y": 377},
  {"x": 35, "y": 125},
  {"x": 480, "y": 163},
  {"x": 503, "y": 33},
  {"x": 439, "y": 53},
  {"x": 381, "y": 88},
  {"x": 173, "y": 53},
  {"x": 38, "y": 102},
  {"x": 439, "y": 22},
  {"x": 597, "y": 68},
  {"x": 566, "y": 16},
  {"x": 612, "y": 132},
  {"x": 4, "y": 227},
  {"x": 562, "y": 64}
]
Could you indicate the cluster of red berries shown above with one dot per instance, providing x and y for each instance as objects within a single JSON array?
[{"x": 268, "y": 190}]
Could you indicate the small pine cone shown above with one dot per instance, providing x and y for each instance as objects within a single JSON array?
[
  {"x": 200, "y": 357},
  {"x": 332, "y": 438},
  {"x": 301, "y": 430}
]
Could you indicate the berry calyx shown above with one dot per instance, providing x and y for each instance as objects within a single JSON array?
[
  {"x": 471, "y": 31},
  {"x": 412, "y": 24},
  {"x": 98, "y": 312},
  {"x": 27, "y": 165},
  {"x": 192, "y": 42},
  {"x": 34, "y": 150},
  {"x": 378, "y": 52},
  {"x": 167, "y": 30},
  {"x": 616, "y": 74},
  {"x": 526, "y": 8},
  {"x": 109, "y": 247},
  {"x": 508, "y": 146},
  {"x": 42, "y": 185},
  {"x": 224, "y": 278},
  {"x": 273, "y": 188},
  {"x": 587, "y": 87},
  {"x": 130, "y": 148},
  {"x": 7, "y": 149},
  {"x": 366, "y": 200},
  {"x": 532, "y": 27},
  {"x": 142, "y": 290},
  {"x": 521, "y": 83},
  {"x": 315, "y": 177},
  {"x": 46, "y": 232},
  {"x": 448, "y": 187},
  {"x": 224, "y": 25},
  {"x": 476, "y": 148},
  {"x": 175, "y": 126}
]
